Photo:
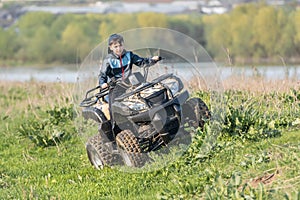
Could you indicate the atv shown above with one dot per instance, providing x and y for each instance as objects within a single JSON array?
[{"x": 147, "y": 117}]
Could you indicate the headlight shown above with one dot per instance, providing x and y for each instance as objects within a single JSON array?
[
  {"x": 135, "y": 105},
  {"x": 173, "y": 85}
]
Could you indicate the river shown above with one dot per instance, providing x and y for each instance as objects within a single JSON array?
[{"x": 71, "y": 74}]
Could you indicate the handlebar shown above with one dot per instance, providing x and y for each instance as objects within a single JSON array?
[
  {"x": 93, "y": 99},
  {"x": 147, "y": 68},
  {"x": 160, "y": 58}
]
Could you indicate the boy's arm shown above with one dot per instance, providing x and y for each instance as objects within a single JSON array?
[
  {"x": 104, "y": 73},
  {"x": 139, "y": 61}
]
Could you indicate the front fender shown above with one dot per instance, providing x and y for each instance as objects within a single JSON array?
[{"x": 94, "y": 114}]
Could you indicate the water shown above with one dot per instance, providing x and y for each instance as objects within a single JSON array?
[
  {"x": 267, "y": 72},
  {"x": 51, "y": 74},
  {"x": 71, "y": 74}
]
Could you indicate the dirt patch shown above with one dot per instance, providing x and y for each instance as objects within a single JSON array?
[{"x": 265, "y": 179}]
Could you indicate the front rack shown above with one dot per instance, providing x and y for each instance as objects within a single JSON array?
[{"x": 91, "y": 99}]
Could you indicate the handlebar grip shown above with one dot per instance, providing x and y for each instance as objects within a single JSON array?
[{"x": 160, "y": 58}]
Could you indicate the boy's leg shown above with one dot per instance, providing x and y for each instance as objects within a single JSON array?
[{"x": 114, "y": 93}]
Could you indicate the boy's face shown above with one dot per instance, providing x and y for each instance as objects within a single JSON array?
[{"x": 117, "y": 48}]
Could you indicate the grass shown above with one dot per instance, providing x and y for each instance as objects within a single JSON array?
[{"x": 237, "y": 168}]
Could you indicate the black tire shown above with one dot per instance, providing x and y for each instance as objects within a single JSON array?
[
  {"x": 195, "y": 112},
  {"x": 130, "y": 149},
  {"x": 99, "y": 153}
]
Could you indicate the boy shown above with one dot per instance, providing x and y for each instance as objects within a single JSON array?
[
  {"x": 118, "y": 66},
  {"x": 118, "y": 63}
]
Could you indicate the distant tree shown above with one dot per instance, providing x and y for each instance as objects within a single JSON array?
[
  {"x": 149, "y": 19},
  {"x": 266, "y": 31},
  {"x": 8, "y": 44},
  {"x": 28, "y": 23},
  {"x": 285, "y": 46},
  {"x": 180, "y": 23},
  {"x": 104, "y": 31},
  {"x": 59, "y": 24},
  {"x": 89, "y": 26},
  {"x": 241, "y": 30},
  {"x": 42, "y": 48},
  {"x": 197, "y": 29},
  {"x": 116, "y": 23},
  {"x": 217, "y": 35},
  {"x": 123, "y": 22},
  {"x": 75, "y": 43},
  {"x": 296, "y": 22},
  {"x": 250, "y": 30},
  {"x": 36, "y": 45}
]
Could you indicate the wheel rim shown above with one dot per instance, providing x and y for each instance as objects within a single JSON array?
[
  {"x": 125, "y": 157},
  {"x": 94, "y": 157}
]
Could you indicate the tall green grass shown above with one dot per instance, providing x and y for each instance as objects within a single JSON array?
[{"x": 256, "y": 154}]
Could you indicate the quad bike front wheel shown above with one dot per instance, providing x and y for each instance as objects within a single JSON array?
[
  {"x": 130, "y": 149},
  {"x": 195, "y": 112},
  {"x": 99, "y": 154}
]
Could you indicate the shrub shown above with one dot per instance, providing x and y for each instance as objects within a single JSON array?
[{"x": 50, "y": 127}]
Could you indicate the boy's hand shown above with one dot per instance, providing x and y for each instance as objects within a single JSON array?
[
  {"x": 104, "y": 85},
  {"x": 156, "y": 58}
]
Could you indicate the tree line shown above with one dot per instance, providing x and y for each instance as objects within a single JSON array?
[{"x": 250, "y": 32}]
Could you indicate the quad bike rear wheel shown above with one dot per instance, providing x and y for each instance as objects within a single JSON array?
[
  {"x": 195, "y": 112},
  {"x": 99, "y": 153},
  {"x": 130, "y": 149}
]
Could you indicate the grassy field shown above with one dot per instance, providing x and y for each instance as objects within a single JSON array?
[{"x": 256, "y": 155}]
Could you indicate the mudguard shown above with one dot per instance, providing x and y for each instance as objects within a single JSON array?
[{"x": 95, "y": 114}]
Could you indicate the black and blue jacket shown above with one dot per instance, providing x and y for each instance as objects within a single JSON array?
[{"x": 121, "y": 67}]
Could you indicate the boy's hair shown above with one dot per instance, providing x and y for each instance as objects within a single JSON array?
[{"x": 115, "y": 38}]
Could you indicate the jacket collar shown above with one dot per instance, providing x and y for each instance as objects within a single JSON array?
[{"x": 122, "y": 55}]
